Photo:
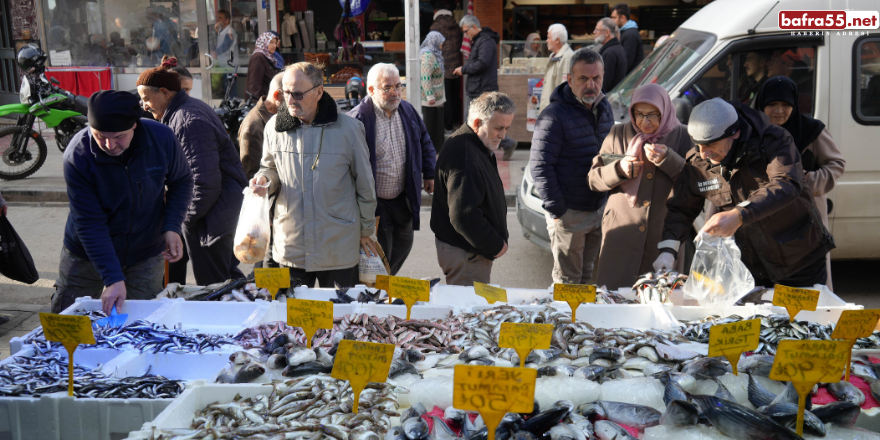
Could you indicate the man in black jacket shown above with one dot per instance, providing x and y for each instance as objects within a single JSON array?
[
  {"x": 613, "y": 54},
  {"x": 482, "y": 66},
  {"x": 445, "y": 23},
  {"x": 469, "y": 211},
  {"x": 629, "y": 36}
]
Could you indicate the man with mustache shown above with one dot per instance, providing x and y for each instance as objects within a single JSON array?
[{"x": 568, "y": 135}]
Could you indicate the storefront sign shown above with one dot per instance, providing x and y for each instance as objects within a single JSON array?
[
  {"x": 491, "y": 293},
  {"x": 524, "y": 338},
  {"x": 731, "y": 340},
  {"x": 794, "y": 300},
  {"x": 361, "y": 363},
  {"x": 533, "y": 108},
  {"x": 310, "y": 316},
  {"x": 494, "y": 392},
  {"x": 70, "y": 331}
]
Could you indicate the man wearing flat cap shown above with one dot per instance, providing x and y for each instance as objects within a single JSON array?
[
  {"x": 219, "y": 178},
  {"x": 123, "y": 222},
  {"x": 751, "y": 171}
]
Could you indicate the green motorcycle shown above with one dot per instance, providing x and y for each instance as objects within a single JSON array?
[{"x": 22, "y": 148}]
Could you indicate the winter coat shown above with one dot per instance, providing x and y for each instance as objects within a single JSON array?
[
  {"x": 119, "y": 212},
  {"x": 216, "y": 168},
  {"x": 250, "y": 138},
  {"x": 632, "y": 45},
  {"x": 630, "y": 234},
  {"x": 469, "y": 210},
  {"x": 614, "y": 58},
  {"x": 831, "y": 167},
  {"x": 446, "y": 25},
  {"x": 558, "y": 71},
  {"x": 432, "y": 84},
  {"x": 326, "y": 198},
  {"x": 482, "y": 66},
  {"x": 260, "y": 72},
  {"x": 782, "y": 231},
  {"x": 420, "y": 154},
  {"x": 567, "y": 137}
]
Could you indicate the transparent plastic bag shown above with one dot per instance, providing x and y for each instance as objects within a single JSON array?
[
  {"x": 718, "y": 276},
  {"x": 252, "y": 233}
]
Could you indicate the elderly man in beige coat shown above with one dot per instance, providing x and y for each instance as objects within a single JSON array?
[
  {"x": 316, "y": 160},
  {"x": 638, "y": 164},
  {"x": 559, "y": 65}
]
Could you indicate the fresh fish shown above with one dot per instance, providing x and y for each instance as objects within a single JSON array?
[
  {"x": 591, "y": 372},
  {"x": 789, "y": 395},
  {"x": 248, "y": 373},
  {"x": 758, "y": 395},
  {"x": 707, "y": 368},
  {"x": 400, "y": 367},
  {"x": 649, "y": 353},
  {"x": 543, "y": 421},
  {"x": 441, "y": 431},
  {"x": 321, "y": 356},
  {"x": 739, "y": 422},
  {"x": 608, "y": 430},
  {"x": 637, "y": 416},
  {"x": 786, "y": 414},
  {"x": 300, "y": 355},
  {"x": 680, "y": 412},
  {"x": 637, "y": 363},
  {"x": 843, "y": 414},
  {"x": 306, "y": 369},
  {"x": 557, "y": 370},
  {"x": 395, "y": 433},
  {"x": 543, "y": 356},
  {"x": 875, "y": 390},
  {"x": 473, "y": 353},
  {"x": 723, "y": 393},
  {"x": 864, "y": 371},
  {"x": 564, "y": 431},
  {"x": 415, "y": 428},
  {"x": 414, "y": 412},
  {"x": 847, "y": 392},
  {"x": 613, "y": 354},
  {"x": 757, "y": 365},
  {"x": 670, "y": 353},
  {"x": 673, "y": 391},
  {"x": 276, "y": 361},
  {"x": 455, "y": 416}
]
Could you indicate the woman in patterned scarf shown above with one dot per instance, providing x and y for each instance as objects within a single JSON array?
[
  {"x": 261, "y": 67},
  {"x": 433, "y": 89}
]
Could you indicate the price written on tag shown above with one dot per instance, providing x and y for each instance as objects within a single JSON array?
[
  {"x": 272, "y": 279},
  {"x": 524, "y": 338},
  {"x": 574, "y": 295},
  {"x": 731, "y": 340},
  {"x": 70, "y": 331},
  {"x": 806, "y": 363},
  {"x": 491, "y": 293},
  {"x": 382, "y": 282},
  {"x": 310, "y": 316},
  {"x": 361, "y": 363},
  {"x": 852, "y": 325},
  {"x": 794, "y": 300},
  {"x": 493, "y": 392},
  {"x": 409, "y": 290}
]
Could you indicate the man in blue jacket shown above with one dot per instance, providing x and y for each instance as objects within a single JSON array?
[
  {"x": 122, "y": 222},
  {"x": 402, "y": 156},
  {"x": 568, "y": 135}
]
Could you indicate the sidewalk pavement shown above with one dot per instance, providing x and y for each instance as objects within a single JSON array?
[{"x": 47, "y": 184}]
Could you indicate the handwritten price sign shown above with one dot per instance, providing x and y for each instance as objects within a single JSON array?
[
  {"x": 493, "y": 392},
  {"x": 852, "y": 325},
  {"x": 361, "y": 363},
  {"x": 574, "y": 295},
  {"x": 70, "y": 331},
  {"x": 410, "y": 291},
  {"x": 731, "y": 340},
  {"x": 310, "y": 316},
  {"x": 491, "y": 293},
  {"x": 794, "y": 300},
  {"x": 272, "y": 279},
  {"x": 382, "y": 282},
  {"x": 524, "y": 338},
  {"x": 806, "y": 363}
]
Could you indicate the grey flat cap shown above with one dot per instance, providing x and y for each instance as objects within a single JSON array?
[{"x": 712, "y": 121}]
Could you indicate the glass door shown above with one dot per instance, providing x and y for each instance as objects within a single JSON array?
[{"x": 232, "y": 28}]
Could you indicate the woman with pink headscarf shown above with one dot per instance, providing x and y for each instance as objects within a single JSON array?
[{"x": 638, "y": 164}]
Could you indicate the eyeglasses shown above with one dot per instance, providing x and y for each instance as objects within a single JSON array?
[
  {"x": 653, "y": 117},
  {"x": 398, "y": 88},
  {"x": 298, "y": 95}
]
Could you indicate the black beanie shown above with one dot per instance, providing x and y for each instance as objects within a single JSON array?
[{"x": 114, "y": 111}]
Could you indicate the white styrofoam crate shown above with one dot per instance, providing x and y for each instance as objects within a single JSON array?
[
  {"x": 637, "y": 316},
  {"x": 135, "y": 309},
  {"x": 277, "y": 311},
  {"x": 175, "y": 366},
  {"x": 426, "y": 311},
  {"x": 464, "y": 296},
  {"x": 212, "y": 317}
]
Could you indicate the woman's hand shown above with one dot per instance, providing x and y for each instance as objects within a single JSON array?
[
  {"x": 631, "y": 166},
  {"x": 655, "y": 153}
]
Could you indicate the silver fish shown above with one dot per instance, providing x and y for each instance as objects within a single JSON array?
[
  {"x": 846, "y": 391},
  {"x": 680, "y": 412},
  {"x": 739, "y": 422},
  {"x": 786, "y": 414},
  {"x": 843, "y": 414},
  {"x": 608, "y": 430}
]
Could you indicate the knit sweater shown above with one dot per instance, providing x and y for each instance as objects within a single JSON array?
[{"x": 433, "y": 86}]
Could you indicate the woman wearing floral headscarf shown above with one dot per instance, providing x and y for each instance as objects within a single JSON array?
[
  {"x": 637, "y": 166},
  {"x": 433, "y": 89},
  {"x": 261, "y": 68}
]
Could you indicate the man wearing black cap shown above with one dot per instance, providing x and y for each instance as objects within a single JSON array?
[
  {"x": 751, "y": 171},
  {"x": 122, "y": 222}
]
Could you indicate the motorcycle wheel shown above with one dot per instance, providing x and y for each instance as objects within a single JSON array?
[{"x": 14, "y": 170}]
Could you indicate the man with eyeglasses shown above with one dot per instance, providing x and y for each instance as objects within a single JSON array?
[
  {"x": 316, "y": 160},
  {"x": 568, "y": 135},
  {"x": 613, "y": 54},
  {"x": 402, "y": 157}
]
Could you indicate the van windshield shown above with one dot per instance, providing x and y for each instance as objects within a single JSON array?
[{"x": 665, "y": 66}]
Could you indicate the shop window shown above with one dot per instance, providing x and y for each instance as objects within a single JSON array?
[
  {"x": 753, "y": 68},
  {"x": 866, "y": 81},
  {"x": 120, "y": 33}
]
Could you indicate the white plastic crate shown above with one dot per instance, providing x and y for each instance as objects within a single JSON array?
[
  {"x": 464, "y": 296},
  {"x": 176, "y": 366},
  {"x": 212, "y": 317},
  {"x": 277, "y": 311},
  {"x": 637, "y": 316},
  {"x": 426, "y": 311}
]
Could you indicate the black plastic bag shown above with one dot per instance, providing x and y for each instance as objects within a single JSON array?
[{"x": 15, "y": 259}]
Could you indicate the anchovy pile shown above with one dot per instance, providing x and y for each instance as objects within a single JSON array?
[
  {"x": 46, "y": 373},
  {"x": 656, "y": 287},
  {"x": 774, "y": 328},
  {"x": 312, "y": 407},
  {"x": 144, "y": 336}
]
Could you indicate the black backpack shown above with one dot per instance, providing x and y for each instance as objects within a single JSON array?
[{"x": 15, "y": 259}]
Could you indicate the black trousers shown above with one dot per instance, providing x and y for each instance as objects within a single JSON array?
[
  {"x": 433, "y": 117},
  {"x": 325, "y": 278},
  {"x": 452, "y": 108},
  {"x": 395, "y": 230},
  {"x": 211, "y": 264},
  {"x": 815, "y": 273}
]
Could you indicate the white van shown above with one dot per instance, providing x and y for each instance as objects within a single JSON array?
[{"x": 838, "y": 77}]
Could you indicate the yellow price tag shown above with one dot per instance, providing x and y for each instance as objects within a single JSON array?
[
  {"x": 852, "y": 325},
  {"x": 272, "y": 279},
  {"x": 310, "y": 316},
  {"x": 574, "y": 295},
  {"x": 494, "y": 392},
  {"x": 491, "y": 293},
  {"x": 806, "y": 363},
  {"x": 794, "y": 300},
  {"x": 409, "y": 290},
  {"x": 70, "y": 331},
  {"x": 382, "y": 282},
  {"x": 524, "y": 338},
  {"x": 731, "y": 340},
  {"x": 361, "y": 363}
]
